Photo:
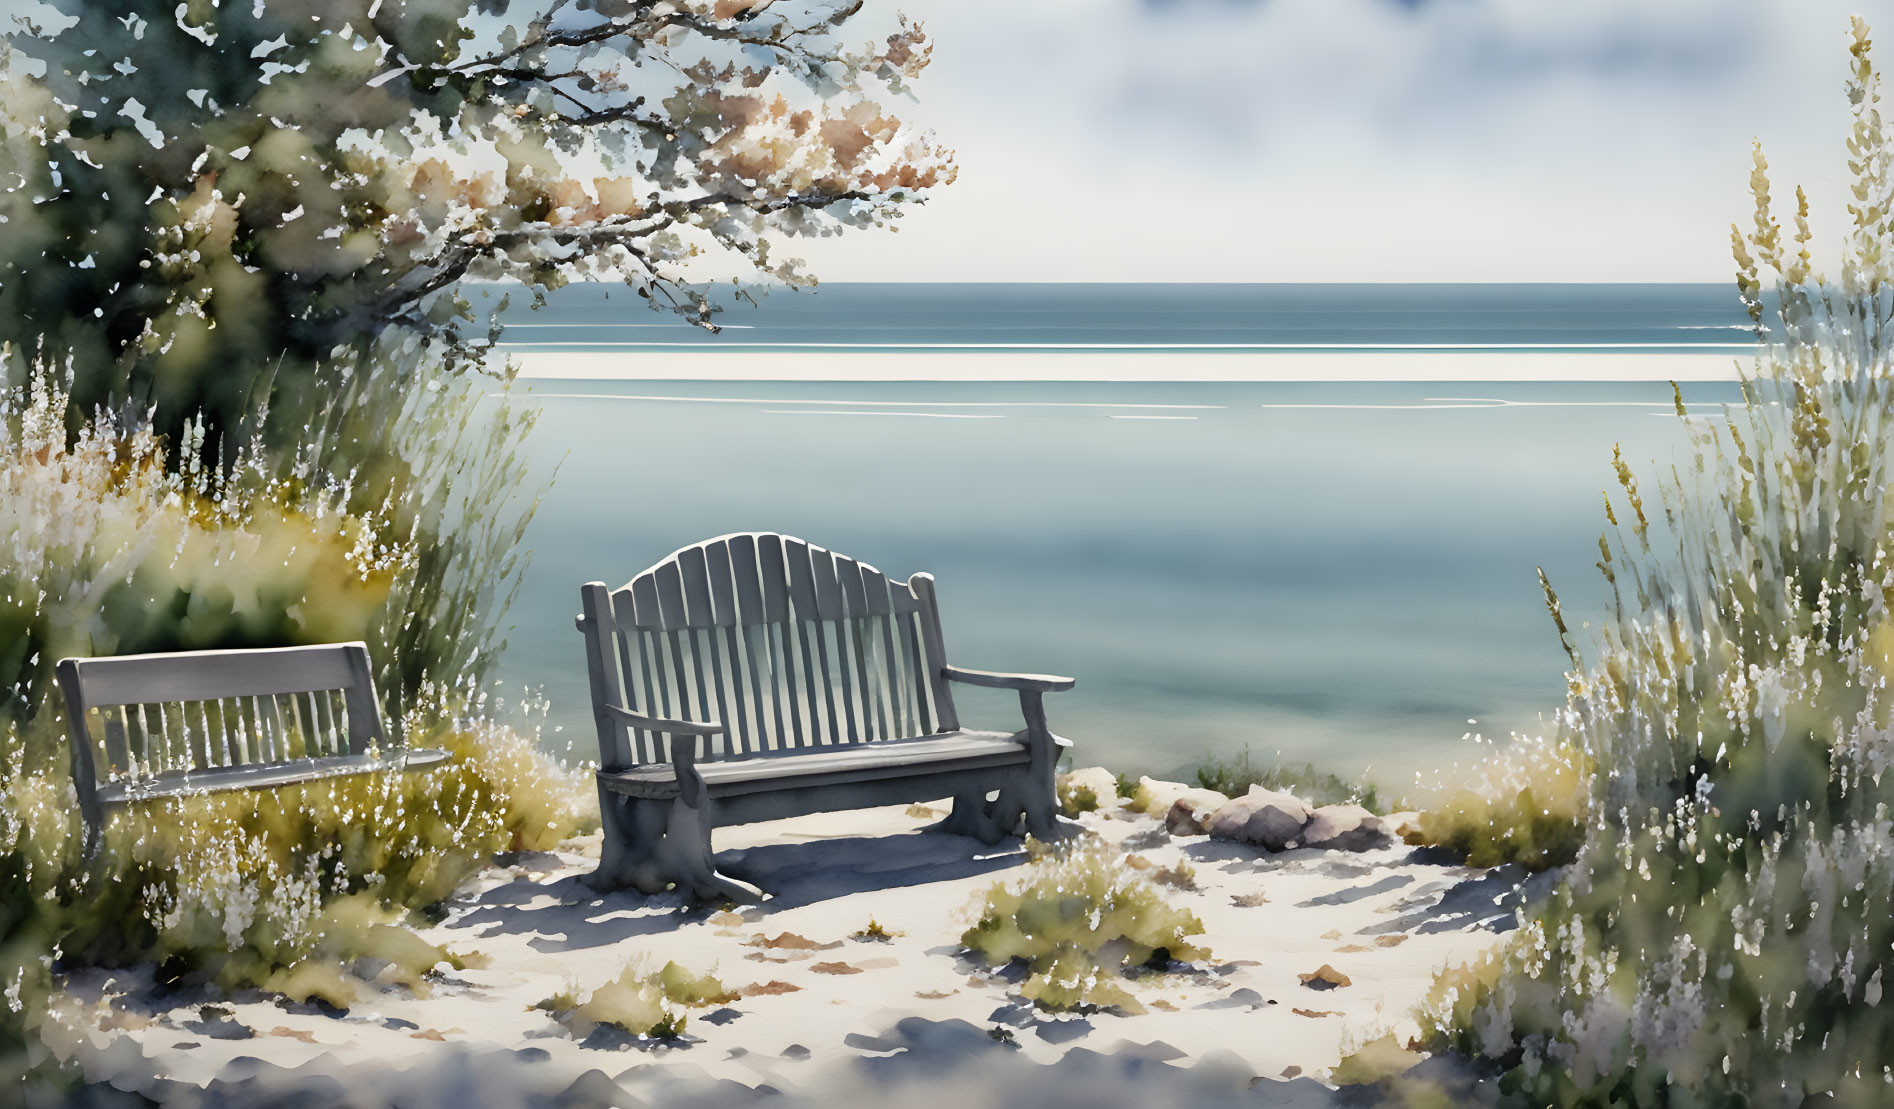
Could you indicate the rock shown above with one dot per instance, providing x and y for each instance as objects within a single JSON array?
[
  {"x": 1099, "y": 783},
  {"x": 1405, "y": 826},
  {"x": 1264, "y": 817},
  {"x": 1155, "y": 796},
  {"x": 1344, "y": 828},
  {"x": 1191, "y": 809},
  {"x": 1325, "y": 978}
]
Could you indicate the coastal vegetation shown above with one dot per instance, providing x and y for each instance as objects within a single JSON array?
[
  {"x": 1078, "y": 919},
  {"x": 1724, "y": 934},
  {"x": 1525, "y": 803},
  {"x": 244, "y": 401},
  {"x": 639, "y": 1002},
  {"x": 1233, "y": 776}
]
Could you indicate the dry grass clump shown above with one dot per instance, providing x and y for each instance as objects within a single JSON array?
[
  {"x": 1727, "y": 934},
  {"x": 639, "y": 1002},
  {"x": 1076, "y": 799},
  {"x": 1525, "y": 803},
  {"x": 1079, "y": 919}
]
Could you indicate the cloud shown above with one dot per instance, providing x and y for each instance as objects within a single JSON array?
[{"x": 1363, "y": 139}]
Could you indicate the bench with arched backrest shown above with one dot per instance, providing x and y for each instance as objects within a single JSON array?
[{"x": 756, "y": 676}]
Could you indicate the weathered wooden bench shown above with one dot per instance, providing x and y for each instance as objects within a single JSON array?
[
  {"x": 755, "y": 676},
  {"x": 195, "y": 722}
]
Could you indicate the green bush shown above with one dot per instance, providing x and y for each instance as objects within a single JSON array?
[
  {"x": 107, "y": 547},
  {"x": 1076, "y": 800},
  {"x": 1726, "y": 934},
  {"x": 1525, "y": 804},
  {"x": 1079, "y": 919},
  {"x": 640, "y": 1002}
]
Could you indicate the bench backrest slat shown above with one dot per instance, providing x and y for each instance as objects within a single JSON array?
[
  {"x": 789, "y": 644},
  {"x": 203, "y": 710},
  {"x": 212, "y": 675}
]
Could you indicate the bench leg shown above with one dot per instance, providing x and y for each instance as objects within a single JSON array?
[
  {"x": 1039, "y": 799},
  {"x": 653, "y": 845},
  {"x": 973, "y": 815},
  {"x": 1031, "y": 796}
]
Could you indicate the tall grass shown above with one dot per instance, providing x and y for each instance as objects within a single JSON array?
[
  {"x": 1726, "y": 934},
  {"x": 1524, "y": 803},
  {"x": 1233, "y": 776},
  {"x": 114, "y": 539}
]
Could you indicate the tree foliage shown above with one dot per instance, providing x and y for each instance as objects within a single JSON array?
[{"x": 202, "y": 201}]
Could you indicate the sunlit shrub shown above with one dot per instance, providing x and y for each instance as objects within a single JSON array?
[
  {"x": 638, "y": 1001},
  {"x": 1726, "y": 935},
  {"x": 1525, "y": 803},
  {"x": 114, "y": 540},
  {"x": 1077, "y": 800},
  {"x": 107, "y": 546},
  {"x": 1079, "y": 918}
]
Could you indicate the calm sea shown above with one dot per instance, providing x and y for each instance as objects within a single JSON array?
[{"x": 1342, "y": 573}]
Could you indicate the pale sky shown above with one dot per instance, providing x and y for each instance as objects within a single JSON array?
[
  {"x": 1364, "y": 140},
  {"x": 1360, "y": 140}
]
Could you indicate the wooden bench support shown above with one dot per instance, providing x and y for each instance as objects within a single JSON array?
[
  {"x": 1034, "y": 797},
  {"x": 756, "y": 677},
  {"x": 651, "y": 845}
]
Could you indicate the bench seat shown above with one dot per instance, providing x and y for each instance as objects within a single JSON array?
[
  {"x": 186, "y": 783},
  {"x": 804, "y": 767}
]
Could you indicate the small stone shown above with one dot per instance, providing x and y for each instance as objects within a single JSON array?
[
  {"x": 1344, "y": 828},
  {"x": 1156, "y": 796},
  {"x": 1264, "y": 817},
  {"x": 1191, "y": 808},
  {"x": 1405, "y": 826}
]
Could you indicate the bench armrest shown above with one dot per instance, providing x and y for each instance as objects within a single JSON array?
[
  {"x": 1040, "y": 683},
  {"x": 645, "y": 723}
]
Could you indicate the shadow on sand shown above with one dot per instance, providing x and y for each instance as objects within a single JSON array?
[{"x": 566, "y": 914}]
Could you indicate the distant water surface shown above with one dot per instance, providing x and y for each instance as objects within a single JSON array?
[
  {"x": 1171, "y": 318},
  {"x": 1342, "y": 573}
]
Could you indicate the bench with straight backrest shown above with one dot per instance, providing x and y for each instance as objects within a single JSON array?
[
  {"x": 753, "y": 677},
  {"x": 192, "y": 722}
]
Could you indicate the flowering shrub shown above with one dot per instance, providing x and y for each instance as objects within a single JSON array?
[
  {"x": 1079, "y": 919},
  {"x": 109, "y": 544},
  {"x": 1726, "y": 935}
]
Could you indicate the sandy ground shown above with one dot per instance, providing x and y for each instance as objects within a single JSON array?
[
  {"x": 1118, "y": 365},
  {"x": 814, "y": 1021}
]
